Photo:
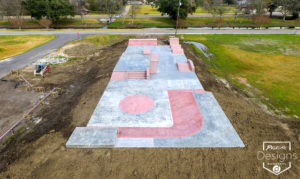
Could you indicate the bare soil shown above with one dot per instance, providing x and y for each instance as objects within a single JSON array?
[
  {"x": 41, "y": 153},
  {"x": 14, "y": 101}
]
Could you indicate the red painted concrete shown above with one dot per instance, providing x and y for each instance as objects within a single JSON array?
[
  {"x": 136, "y": 104},
  {"x": 174, "y": 41},
  {"x": 147, "y": 51},
  {"x": 142, "y": 42},
  {"x": 119, "y": 75},
  {"x": 186, "y": 114},
  {"x": 191, "y": 65},
  {"x": 175, "y": 46},
  {"x": 137, "y": 75},
  {"x": 154, "y": 57},
  {"x": 153, "y": 63},
  {"x": 178, "y": 51},
  {"x": 186, "y": 67},
  {"x": 148, "y": 74},
  {"x": 183, "y": 67}
]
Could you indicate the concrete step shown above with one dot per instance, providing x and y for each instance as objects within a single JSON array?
[{"x": 137, "y": 75}]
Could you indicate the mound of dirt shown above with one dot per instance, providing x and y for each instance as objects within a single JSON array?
[{"x": 82, "y": 49}]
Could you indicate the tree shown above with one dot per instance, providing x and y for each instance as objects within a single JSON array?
[
  {"x": 93, "y": 5},
  {"x": 272, "y": 5},
  {"x": 261, "y": 20},
  {"x": 11, "y": 8},
  {"x": 3, "y": 6},
  {"x": 17, "y": 22},
  {"x": 80, "y": 8},
  {"x": 170, "y": 7},
  {"x": 230, "y": 1},
  {"x": 133, "y": 10},
  {"x": 51, "y": 9},
  {"x": 103, "y": 5},
  {"x": 214, "y": 7},
  {"x": 112, "y": 7},
  {"x": 259, "y": 6},
  {"x": 287, "y": 6}
]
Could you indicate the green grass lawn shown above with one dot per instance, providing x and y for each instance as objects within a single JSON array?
[
  {"x": 78, "y": 21},
  {"x": 269, "y": 63},
  {"x": 103, "y": 40},
  {"x": 97, "y": 13},
  {"x": 11, "y": 45},
  {"x": 163, "y": 22},
  {"x": 151, "y": 10},
  {"x": 64, "y": 22},
  {"x": 195, "y": 22},
  {"x": 147, "y": 10},
  {"x": 142, "y": 23},
  {"x": 231, "y": 21},
  {"x": 228, "y": 10}
]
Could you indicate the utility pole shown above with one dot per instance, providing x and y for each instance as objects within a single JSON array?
[{"x": 179, "y": 4}]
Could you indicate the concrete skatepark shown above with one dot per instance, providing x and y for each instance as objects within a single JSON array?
[{"x": 154, "y": 99}]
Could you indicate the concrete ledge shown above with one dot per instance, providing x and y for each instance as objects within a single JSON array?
[
  {"x": 191, "y": 65},
  {"x": 174, "y": 40},
  {"x": 119, "y": 76},
  {"x": 83, "y": 137},
  {"x": 147, "y": 51},
  {"x": 142, "y": 42}
]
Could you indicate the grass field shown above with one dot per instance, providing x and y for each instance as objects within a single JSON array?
[
  {"x": 103, "y": 40},
  {"x": 149, "y": 10},
  {"x": 78, "y": 21},
  {"x": 227, "y": 10},
  {"x": 195, "y": 22},
  {"x": 163, "y": 22},
  {"x": 269, "y": 63},
  {"x": 11, "y": 45},
  {"x": 146, "y": 10},
  {"x": 142, "y": 23},
  {"x": 230, "y": 21},
  {"x": 62, "y": 22}
]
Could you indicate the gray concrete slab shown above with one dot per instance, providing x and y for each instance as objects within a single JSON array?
[
  {"x": 133, "y": 62},
  {"x": 217, "y": 130},
  {"x": 134, "y": 142},
  {"x": 109, "y": 114},
  {"x": 92, "y": 138}
]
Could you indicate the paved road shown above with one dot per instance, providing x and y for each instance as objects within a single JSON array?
[
  {"x": 64, "y": 37},
  {"x": 148, "y": 32},
  {"x": 29, "y": 57}
]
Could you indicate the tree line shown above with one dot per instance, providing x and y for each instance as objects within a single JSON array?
[
  {"x": 217, "y": 7},
  {"x": 48, "y": 11},
  {"x": 54, "y": 9}
]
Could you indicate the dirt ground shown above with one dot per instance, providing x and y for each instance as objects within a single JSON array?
[
  {"x": 42, "y": 153},
  {"x": 14, "y": 101}
]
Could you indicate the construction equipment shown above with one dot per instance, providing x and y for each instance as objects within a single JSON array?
[{"x": 41, "y": 69}]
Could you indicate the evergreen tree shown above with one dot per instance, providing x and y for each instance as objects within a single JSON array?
[{"x": 51, "y": 9}]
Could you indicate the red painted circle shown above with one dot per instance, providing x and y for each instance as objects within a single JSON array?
[{"x": 137, "y": 104}]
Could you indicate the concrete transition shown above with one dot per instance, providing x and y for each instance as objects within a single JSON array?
[{"x": 154, "y": 99}]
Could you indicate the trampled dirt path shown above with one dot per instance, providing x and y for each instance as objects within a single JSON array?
[{"x": 42, "y": 153}]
